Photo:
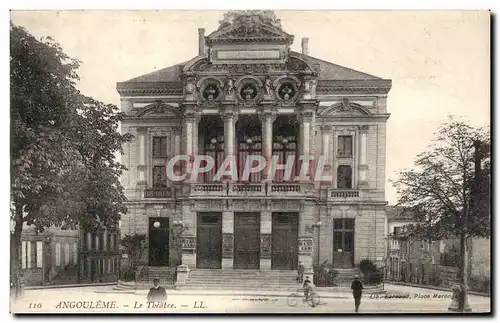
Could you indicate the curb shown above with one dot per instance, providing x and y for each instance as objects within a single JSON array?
[
  {"x": 444, "y": 289},
  {"x": 68, "y": 286}
]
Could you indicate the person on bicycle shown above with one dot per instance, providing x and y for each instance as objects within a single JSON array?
[{"x": 308, "y": 288}]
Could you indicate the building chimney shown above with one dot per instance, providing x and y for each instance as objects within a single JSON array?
[
  {"x": 305, "y": 46},
  {"x": 201, "y": 41}
]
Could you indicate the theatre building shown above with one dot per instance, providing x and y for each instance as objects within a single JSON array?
[{"x": 247, "y": 93}]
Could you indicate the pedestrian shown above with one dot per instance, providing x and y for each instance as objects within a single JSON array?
[
  {"x": 300, "y": 272},
  {"x": 157, "y": 293},
  {"x": 357, "y": 290}
]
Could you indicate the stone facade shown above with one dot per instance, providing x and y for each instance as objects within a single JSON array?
[
  {"x": 58, "y": 257},
  {"x": 246, "y": 69}
]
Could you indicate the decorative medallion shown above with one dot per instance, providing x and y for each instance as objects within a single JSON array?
[
  {"x": 287, "y": 89},
  {"x": 211, "y": 91},
  {"x": 249, "y": 90}
]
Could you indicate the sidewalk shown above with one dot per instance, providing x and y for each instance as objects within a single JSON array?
[
  {"x": 444, "y": 289},
  {"x": 68, "y": 285}
]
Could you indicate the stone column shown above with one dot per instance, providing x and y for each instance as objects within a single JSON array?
[
  {"x": 306, "y": 117},
  {"x": 325, "y": 151},
  {"x": 189, "y": 131},
  {"x": 363, "y": 166},
  {"x": 230, "y": 119},
  {"x": 267, "y": 118},
  {"x": 265, "y": 239},
  {"x": 141, "y": 165},
  {"x": 227, "y": 239}
]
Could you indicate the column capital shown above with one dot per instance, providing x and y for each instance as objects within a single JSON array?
[
  {"x": 265, "y": 115},
  {"x": 142, "y": 129},
  {"x": 363, "y": 128},
  {"x": 305, "y": 116},
  {"x": 326, "y": 128}
]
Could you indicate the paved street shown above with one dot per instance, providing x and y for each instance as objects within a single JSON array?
[{"x": 101, "y": 299}]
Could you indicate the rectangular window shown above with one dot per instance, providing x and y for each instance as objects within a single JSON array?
[
  {"x": 23, "y": 254},
  {"x": 58, "y": 254},
  {"x": 28, "y": 254},
  {"x": 101, "y": 241},
  {"x": 344, "y": 146},
  {"x": 39, "y": 254},
  {"x": 93, "y": 242},
  {"x": 160, "y": 147},
  {"x": 75, "y": 253},
  {"x": 159, "y": 177},
  {"x": 110, "y": 265},
  {"x": 108, "y": 241},
  {"x": 344, "y": 177},
  {"x": 66, "y": 254}
]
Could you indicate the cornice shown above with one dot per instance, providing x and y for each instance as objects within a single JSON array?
[
  {"x": 137, "y": 88},
  {"x": 353, "y": 86}
]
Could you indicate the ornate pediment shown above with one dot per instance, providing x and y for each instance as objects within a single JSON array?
[
  {"x": 251, "y": 25},
  {"x": 159, "y": 109},
  {"x": 346, "y": 108}
]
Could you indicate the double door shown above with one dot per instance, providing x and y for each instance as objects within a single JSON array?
[
  {"x": 285, "y": 241},
  {"x": 246, "y": 241},
  {"x": 209, "y": 241}
]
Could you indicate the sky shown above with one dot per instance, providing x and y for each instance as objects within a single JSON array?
[{"x": 438, "y": 61}]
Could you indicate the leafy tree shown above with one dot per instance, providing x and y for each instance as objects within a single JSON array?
[
  {"x": 63, "y": 169},
  {"x": 445, "y": 193}
]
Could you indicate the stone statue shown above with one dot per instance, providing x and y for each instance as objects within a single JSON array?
[
  {"x": 312, "y": 88},
  {"x": 252, "y": 17},
  {"x": 229, "y": 87},
  {"x": 269, "y": 87}
]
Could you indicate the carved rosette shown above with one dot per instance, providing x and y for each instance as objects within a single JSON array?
[
  {"x": 227, "y": 245},
  {"x": 265, "y": 246}
]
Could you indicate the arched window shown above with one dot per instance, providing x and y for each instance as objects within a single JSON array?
[
  {"x": 211, "y": 139},
  {"x": 344, "y": 176},
  {"x": 249, "y": 140},
  {"x": 285, "y": 145}
]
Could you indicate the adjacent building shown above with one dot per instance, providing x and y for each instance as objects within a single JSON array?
[
  {"x": 57, "y": 256},
  {"x": 432, "y": 262},
  {"x": 247, "y": 93}
]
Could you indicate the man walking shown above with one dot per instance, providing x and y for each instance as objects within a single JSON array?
[
  {"x": 157, "y": 293},
  {"x": 357, "y": 290}
]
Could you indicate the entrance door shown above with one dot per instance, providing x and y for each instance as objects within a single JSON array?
[
  {"x": 343, "y": 243},
  {"x": 158, "y": 241},
  {"x": 209, "y": 241},
  {"x": 285, "y": 241},
  {"x": 246, "y": 241}
]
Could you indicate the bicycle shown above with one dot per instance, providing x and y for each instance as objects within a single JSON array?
[{"x": 293, "y": 299}]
